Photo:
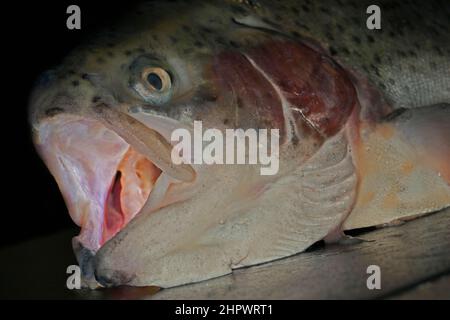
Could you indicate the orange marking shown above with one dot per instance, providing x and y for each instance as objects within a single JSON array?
[
  {"x": 391, "y": 200},
  {"x": 407, "y": 167},
  {"x": 386, "y": 131},
  {"x": 366, "y": 198}
]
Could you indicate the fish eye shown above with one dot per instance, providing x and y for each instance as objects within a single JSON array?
[
  {"x": 156, "y": 79},
  {"x": 153, "y": 84}
]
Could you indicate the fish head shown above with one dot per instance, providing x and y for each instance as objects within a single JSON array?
[{"x": 103, "y": 120}]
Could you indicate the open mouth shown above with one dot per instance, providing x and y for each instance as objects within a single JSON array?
[
  {"x": 129, "y": 190},
  {"x": 104, "y": 180}
]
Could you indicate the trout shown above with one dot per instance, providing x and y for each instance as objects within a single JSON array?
[{"x": 363, "y": 118}]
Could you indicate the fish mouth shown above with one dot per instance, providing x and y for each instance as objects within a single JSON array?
[{"x": 105, "y": 181}]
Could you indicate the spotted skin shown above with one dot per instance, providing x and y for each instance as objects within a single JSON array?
[
  {"x": 407, "y": 60},
  {"x": 351, "y": 156}
]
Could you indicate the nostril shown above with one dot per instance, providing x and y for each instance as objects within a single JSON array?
[
  {"x": 46, "y": 78},
  {"x": 111, "y": 278}
]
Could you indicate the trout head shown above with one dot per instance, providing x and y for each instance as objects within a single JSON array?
[{"x": 102, "y": 122}]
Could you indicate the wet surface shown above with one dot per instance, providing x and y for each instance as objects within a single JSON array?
[
  {"x": 36, "y": 269},
  {"x": 413, "y": 257}
]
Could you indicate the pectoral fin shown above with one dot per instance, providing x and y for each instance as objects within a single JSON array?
[{"x": 403, "y": 166}]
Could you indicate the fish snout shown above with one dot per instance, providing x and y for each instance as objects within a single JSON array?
[
  {"x": 65, "y": 91},
  {"x": 109, "y": 278}
]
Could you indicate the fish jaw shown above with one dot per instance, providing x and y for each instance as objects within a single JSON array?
[
  {"x": 83, "y": 176},
  {"x": 105, "y": 182},
  {"x": 85, "y": 157},
  {"x": 188, "y": 241}
]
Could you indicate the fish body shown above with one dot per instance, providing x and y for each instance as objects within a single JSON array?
[{"x": 363, "y": 122}]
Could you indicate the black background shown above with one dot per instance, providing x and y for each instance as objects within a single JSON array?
[{"x": 35, "y": 38}]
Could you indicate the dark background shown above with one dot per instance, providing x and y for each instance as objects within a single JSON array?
[{"x": 35, "y": 38}]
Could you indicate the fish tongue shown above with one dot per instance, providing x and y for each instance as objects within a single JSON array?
[{"x": 144, "y": 140}]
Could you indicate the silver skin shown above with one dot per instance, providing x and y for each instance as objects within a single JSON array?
[{"x": 218, "y": 218}]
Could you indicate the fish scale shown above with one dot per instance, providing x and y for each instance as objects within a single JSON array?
[
  {"x": 362, "y": 114},
  {"x": 408, "y": 59}
]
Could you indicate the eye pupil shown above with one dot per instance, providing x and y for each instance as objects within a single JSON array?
[{"x": 155, "y": 81}]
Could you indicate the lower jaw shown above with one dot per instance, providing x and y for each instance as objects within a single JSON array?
[{"x": 104, "y": 181}]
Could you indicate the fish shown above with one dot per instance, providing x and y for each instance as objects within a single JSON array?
[{"x": 363, "y": 118}]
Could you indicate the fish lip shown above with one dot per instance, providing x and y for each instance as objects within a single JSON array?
[{"x": 39, "y": 141}]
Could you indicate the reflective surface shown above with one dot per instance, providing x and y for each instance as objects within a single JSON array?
[{"x": 411, "y": 256}]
